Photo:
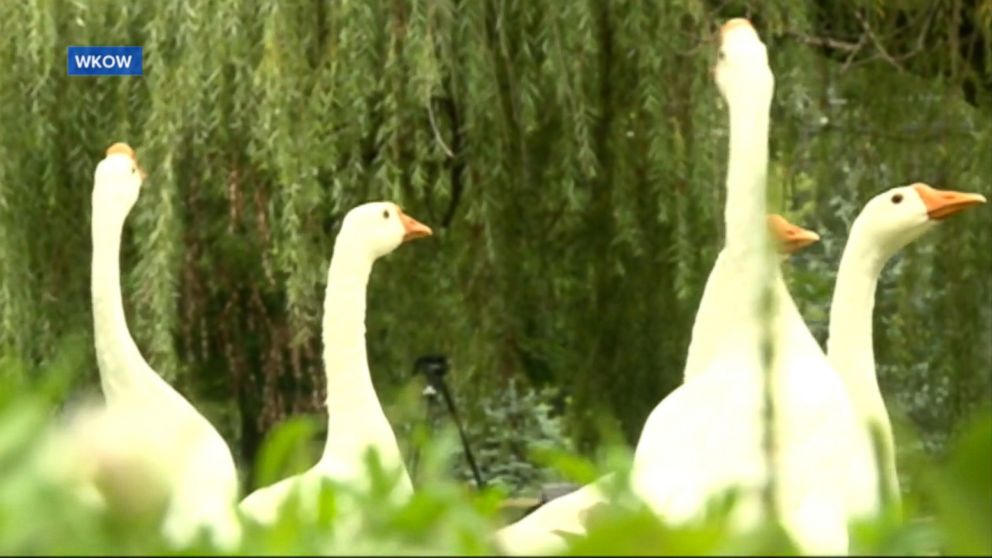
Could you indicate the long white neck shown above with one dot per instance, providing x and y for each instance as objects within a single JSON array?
[
  {"x": 122, "y": 368},
  {"x": 724, "y": 315},
  {"x": 747, "y": 242},
  {"x": 350, "y": 392},
  {"x": 849, "y": 343},
  {"x": 744, "y": 212},
  {"x": 850, "y": 346}
]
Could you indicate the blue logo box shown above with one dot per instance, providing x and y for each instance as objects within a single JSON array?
[{"x": 105, "y": 61}]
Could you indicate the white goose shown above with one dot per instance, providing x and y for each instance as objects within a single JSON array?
[
  {"x": 720, "y": 290},
  {"x": 888, "y": 222},
  {"x": 543, "y": 531},
  {"x": 356, "y": 422},
  {"x": 202, "y": 481},
  {"x": 708, "y": 435}
]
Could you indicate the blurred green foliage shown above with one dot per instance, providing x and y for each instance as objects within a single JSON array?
[{"x": 446, "y": 516}]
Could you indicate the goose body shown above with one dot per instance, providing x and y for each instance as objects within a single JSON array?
[
  {"x": 201, "y": 478},
  {"x": 356, "y": 421},
  {"x": 544, "y": 531},
  {"x": 721, "y": 289},
  {"x": 708, "y": 435},
  {"x": 888, "y": 222}
]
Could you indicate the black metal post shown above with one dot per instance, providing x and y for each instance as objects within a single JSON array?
[{"x": 435, "y": 367}]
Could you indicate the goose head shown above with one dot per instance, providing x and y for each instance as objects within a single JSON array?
[
  {"x": 741, "y": 72},
  {"x": 378, "y": 228},
  {"x": 118, "y": 179},
  {"x": 898, "y": 216},
  {"x": 789, "y": 238}
]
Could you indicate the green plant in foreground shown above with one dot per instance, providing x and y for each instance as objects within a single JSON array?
[{"x": 42, "y": 514}]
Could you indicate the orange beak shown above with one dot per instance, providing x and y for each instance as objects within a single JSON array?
[
  {"x": 413, "y": 228},
  {"x": 790, "y": 238},
  {"x": 121, "y": 148},
  {"x": 944, "y": 203},
  {"x": 735, "y": 23}
]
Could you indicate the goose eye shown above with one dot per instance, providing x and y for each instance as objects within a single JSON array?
[
  {"x": 385, "y": 214},
  {"x": 720, "y": 55},
  {"x": 897, "y": 198},
  {"x": 134, "y": 170}
]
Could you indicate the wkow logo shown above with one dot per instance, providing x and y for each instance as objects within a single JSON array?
[{"x": 104, "y": 61}]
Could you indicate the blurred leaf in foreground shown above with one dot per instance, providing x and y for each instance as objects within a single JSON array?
[{"x": 962, "y": 489}]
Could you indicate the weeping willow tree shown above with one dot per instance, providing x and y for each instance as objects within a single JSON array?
[{"x": 569, "y": 155}]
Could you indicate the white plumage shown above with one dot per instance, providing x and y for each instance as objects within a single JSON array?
[
  {"x": 888, "y": 222},
  {"x": 200, "y": 475},
  {"x": 708, "y": 435},
  {"x": 544, "y": 531},
  {"x": 356, "y": 421}
]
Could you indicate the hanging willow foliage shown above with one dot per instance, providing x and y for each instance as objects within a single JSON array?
[{"x": 570, "y": 156}]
